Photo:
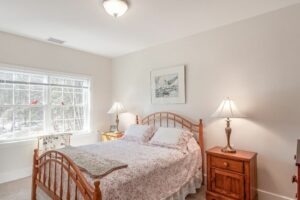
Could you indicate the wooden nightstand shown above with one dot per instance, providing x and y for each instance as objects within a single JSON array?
[
  {"x": 107, "y": 136},
  {"x": 231, "y": 176}
]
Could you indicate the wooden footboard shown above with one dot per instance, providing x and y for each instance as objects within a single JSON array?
[{"x": 55, "y": 173}]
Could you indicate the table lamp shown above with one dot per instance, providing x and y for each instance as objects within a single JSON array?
[
  {"x": 227, "y": 109},
  {"x": 117, "y": 108}
]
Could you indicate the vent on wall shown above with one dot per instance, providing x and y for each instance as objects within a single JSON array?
[{"x": 57, "y": 41}]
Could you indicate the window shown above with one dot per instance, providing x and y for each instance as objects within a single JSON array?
[{"x": 33, "y": 104}]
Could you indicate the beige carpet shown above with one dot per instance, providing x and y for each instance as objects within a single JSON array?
[{"x": 21, "y": 189}]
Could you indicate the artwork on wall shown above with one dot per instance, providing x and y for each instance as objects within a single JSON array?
[{"x": 168, "y": 85}]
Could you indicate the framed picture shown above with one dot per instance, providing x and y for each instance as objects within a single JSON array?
[{"x": 168, "y": 85}]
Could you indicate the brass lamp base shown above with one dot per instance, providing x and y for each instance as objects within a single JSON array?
[{"x": 228, "y": 149}]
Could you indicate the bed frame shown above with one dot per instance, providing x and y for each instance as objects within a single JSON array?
[{"x": 47, "y": 180}]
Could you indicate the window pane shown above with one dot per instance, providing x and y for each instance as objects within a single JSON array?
[
  {"x": 37, "y": 87},
  {"x": 78, "y": 83},
  {"x": 69, "y": 125},
  {"x": 78, "y": 90},
  {"x": 56, "y": 80},
  {"x": 85, "y": 83},
  {"x": 21, "y": 115},
  {"x": 37, "y": 126},
  {"x": 68, "y": 97},
  {"x": 78, "y": 99},
  {"x": 22, "y": 86},
  {"x": 6, "y": 86},
  {"x": 56, "y": 89},
  {"x": 6, "y": 119},
  {"x": 6, "y": 76},
  {"x": 79, "y": 112},
  {"x": 6, "y": 97},
  {"x": 21, "y": 77},
  {"x": 56, "y": 97},
  {"x": 22, "y": 121},
  {"x": 69, "y": 82},
  {"x": 79, "y": 124},
  {"x": 21, "y": 97},
  {"x": 37, "y": 114},
  {"x": 36, "y": 97},
  {"x": 58, "y": 126},
  {"x": 69, "y": 112},
  {"x": 57, "y": 112},
  {"x": 37, "y": 79}
]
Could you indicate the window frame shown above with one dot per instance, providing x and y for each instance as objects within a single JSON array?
[{"x": 47, "y": 104}]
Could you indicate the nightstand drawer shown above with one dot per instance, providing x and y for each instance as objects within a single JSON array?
[{"x": 232, "y": 165}]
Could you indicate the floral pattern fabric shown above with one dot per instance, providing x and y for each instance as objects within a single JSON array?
[{"x": 153, "y": 172}]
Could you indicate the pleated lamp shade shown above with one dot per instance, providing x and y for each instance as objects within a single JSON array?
[
  {"x": 228, "y": 109},
  {"x": 117, "y": 108}
]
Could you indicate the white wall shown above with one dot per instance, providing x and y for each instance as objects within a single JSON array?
[
  {"x": 257, "y": 63},
  {"x": 16, "y": 158}
]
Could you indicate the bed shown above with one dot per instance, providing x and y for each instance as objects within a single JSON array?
[{"x": 153, "y": 172}]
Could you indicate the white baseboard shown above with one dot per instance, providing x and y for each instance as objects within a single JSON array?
[
  {"x": 265, "y": 195},
  {"x": 15, "y": 175}
]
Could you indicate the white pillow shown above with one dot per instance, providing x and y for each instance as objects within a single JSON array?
[
  {"x": 139, "y": 133},
  {"x": 171, "y": 137}
]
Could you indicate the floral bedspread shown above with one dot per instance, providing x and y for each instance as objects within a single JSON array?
[
  {"x": 93, "y": 164},
  {"x": 153, "y": 172}
]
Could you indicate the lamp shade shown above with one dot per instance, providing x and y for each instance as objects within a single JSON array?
[
  {"x": 117, "y": 108},
  {"x": 227, "y": 109}
]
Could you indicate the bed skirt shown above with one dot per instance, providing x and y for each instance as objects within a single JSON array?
[{"x": 188, "y": 188}]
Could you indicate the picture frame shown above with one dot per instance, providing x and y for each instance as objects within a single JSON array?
[{"x": 168, "y": 85}]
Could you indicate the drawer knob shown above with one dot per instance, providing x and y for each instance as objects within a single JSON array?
[
  {"x": 226, "y": 164},
  {"x": 295, "y": 157},
  {"x": 294, "y": 179}
]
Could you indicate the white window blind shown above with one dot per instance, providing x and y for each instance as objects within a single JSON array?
[{"x": 33, "y": 104}]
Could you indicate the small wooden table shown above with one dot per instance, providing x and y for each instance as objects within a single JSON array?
[
  {"x": 231, "y": 176},
  {"x": 107, "y": 136}
]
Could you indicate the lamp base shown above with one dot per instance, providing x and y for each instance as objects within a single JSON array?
[{"x": 228, "y": 149}]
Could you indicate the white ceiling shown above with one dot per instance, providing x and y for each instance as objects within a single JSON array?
[{"x": 84, "y": 25}]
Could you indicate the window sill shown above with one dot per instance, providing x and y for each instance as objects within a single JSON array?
[
  {"x": 15, "y": 143},
  {"x": 33, "y": 140}
]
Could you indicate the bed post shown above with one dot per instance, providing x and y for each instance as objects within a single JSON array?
[
  {"x": 34, "y": 174},
  {"x": 97, "y": 192},
  {"x": 201, "y": 143},
  {"x": 137, "y": 119}
]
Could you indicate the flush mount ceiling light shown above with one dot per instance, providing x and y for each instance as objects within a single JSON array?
[{"x": 115, "y": 8}]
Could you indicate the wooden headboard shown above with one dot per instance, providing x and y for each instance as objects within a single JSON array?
[{"x": 168, "y": 119}]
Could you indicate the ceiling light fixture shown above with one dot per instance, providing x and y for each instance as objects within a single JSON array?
[{"x": 115, "y": 8}]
